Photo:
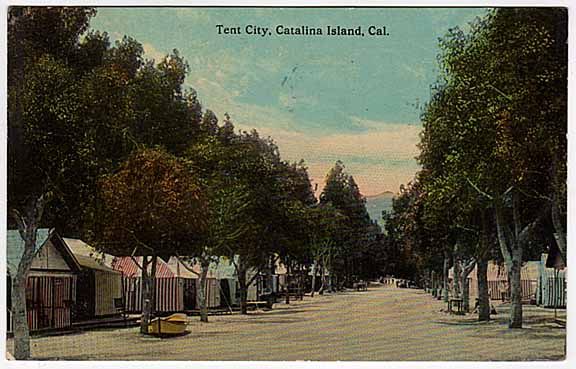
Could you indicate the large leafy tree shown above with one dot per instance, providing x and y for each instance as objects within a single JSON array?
[
  {"x": 358, "y": 233},
  {"x": 153, "y": 206},
  {"x": 43, "y": 153},
  {"x": 497, "y": 140},
  {"x": 269, "y": 197},
  {"x": 75, "y": 111},
  {"x": 324, "y": 224}
]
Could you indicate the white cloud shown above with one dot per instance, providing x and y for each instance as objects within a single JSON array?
[
  {"x": 152, "y": 53},
  {"x": 379, "y": 160},
  {"x": 380, "y": 157}
]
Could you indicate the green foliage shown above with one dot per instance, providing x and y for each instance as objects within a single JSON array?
[
  {"x": 494, "y": 131},
  {"x": 152, "y": 205},
  {"x": 357, "y": 234},
  {"x": 270, "y": 195},
  {"x": 77, "y": 107}
]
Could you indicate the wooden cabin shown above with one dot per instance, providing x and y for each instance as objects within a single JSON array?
[
  {"x": 98, "y": 285},
  {"x": 498, "y": 281},
  {"x": 51, "y": 284}
]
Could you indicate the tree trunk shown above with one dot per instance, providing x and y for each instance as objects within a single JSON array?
[
  {"x": 445, "y": 276},
  {"x": 515, "y": 294},
  {"x": 560, "y": 232},
  {"x": 27, "y": 227},
  {"x": 20, "y": 323},
  {"x": 466, "y": 270},
  {"x": 205, "y": 265},
  {"x": 465, "y": 294},
  {"x": 287, "y": 282},
  {"x": 511, "y": 245},
  {"x": 243, "y": 288},
  {"x": 558, "y": 220},
  {"x": 301, "y": 279},
  {"x": 153, "y": 291},
  {"x": 330, "y": 272},
  {"x": 322, "y": 277},
  {"x": 483, "y": 295},
  {"x": 314, "y": 267},
  {"x": 146, "y": 297},
  {"x": 456, "y": 273}
]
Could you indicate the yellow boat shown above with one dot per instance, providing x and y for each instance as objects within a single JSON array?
[{"x": 169, "y": 325}]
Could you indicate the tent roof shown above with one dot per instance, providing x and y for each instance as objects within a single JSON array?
[
  {"x": 88, "y": 256},
  {"x": 91, "y": 263},
  {"x": 15, "y": 248},
  {"x": 129, "y": 268},
  {"x": 554, "y": 258},
  {"x": 79, "y": 247},
  {"x": 223, "y": 269}
]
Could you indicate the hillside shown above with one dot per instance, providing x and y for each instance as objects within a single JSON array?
[{"x": 375, "y": 204}]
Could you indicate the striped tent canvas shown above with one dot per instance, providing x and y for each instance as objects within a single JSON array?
[
  {"x": 173, "y": 291},
  {"x": 51, "y": 283}
]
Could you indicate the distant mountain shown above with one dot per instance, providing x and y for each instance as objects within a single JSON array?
[{"x": 376, "y": 203}]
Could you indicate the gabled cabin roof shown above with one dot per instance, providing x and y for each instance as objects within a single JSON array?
[
  {"x": 554, "y": 258},
  {"x": 88, "y": 262},
  {"x": 87, "y": 256},
  {"x": 15, "y": 248}
]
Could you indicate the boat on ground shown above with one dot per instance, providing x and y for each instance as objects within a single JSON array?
[{"x": 170, "y": 325}]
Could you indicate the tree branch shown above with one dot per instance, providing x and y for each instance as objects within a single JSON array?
[
  {"x": 501, "y": 236},
  {"x": 490, "y": 197},
  {"x": 500, "y": 92},
  {"x": 20, "y": 222},
  {"x": 254, "y": 276},
  {"x": 188, "y": 268},
  {"x": 136, "y": 262}
]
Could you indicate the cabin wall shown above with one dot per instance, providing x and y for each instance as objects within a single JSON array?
[
  {"x": 50, "y": 299},
  {"x": 49, "y": 258},
  {"x": 108, "y": 286},
  {"x": 212, "y": 292}
]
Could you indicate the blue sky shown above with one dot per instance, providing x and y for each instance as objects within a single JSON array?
[{"x": 321, "y": 98}]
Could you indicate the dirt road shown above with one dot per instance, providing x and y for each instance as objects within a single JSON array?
[{"x": 380, "y": 324}]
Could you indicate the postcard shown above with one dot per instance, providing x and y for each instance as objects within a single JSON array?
[{"x": 281, "y": 184}]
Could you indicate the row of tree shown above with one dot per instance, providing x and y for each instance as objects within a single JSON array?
[
  {"x": 109, "y": 146},
  {"x": 493, "y": 155}
]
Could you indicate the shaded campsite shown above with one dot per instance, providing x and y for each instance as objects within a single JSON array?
[{"x": 384, "y": 323}]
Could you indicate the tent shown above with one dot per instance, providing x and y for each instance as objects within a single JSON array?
[
  {"x": 176, "y": 286},
  {"x": 98, "y": 285},
  {"x": 51, "y": 283},
  {"x": 551, "y": 290}
]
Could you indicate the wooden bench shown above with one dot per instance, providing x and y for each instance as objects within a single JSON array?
[
  {"x": 360, "y": 286},
  {"x": 257, "y": 304},
  {"x": 456, "y": 304}
]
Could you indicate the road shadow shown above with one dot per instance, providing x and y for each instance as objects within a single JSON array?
[
  {"x": 278, "y": 312},
  {"x": 276, "y": 321}
]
